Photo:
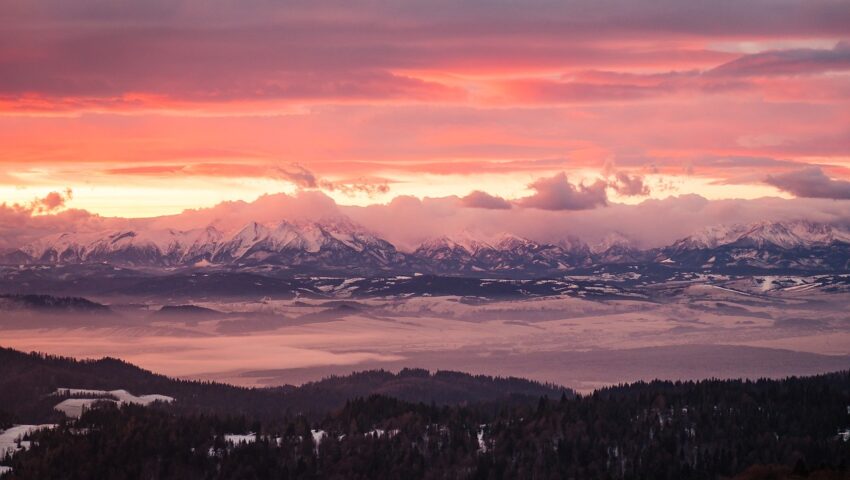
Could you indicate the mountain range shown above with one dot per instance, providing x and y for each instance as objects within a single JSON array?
[{"x": 341, "y": 247}]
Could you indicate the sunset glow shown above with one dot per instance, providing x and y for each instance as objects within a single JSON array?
[
  {"x": 420, "y": 239},
  {"x": 177, "y": 106}
]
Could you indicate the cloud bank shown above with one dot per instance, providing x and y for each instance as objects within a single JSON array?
[
  {"x": 407, "y": 221},
  {"x": 479, "y": 199}
]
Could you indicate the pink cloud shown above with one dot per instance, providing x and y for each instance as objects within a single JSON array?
[
  {"x": 479, "y": 199},
  {"x": 629, "y": 185},
  {"x": 361, "y": 97},
  {"x": 407, "y": 221},
  {"x": 806, "y": 62},
  {"x": 52, "y": 201},
  {"x": 810, "y": 182},
  {"x": 557, "y": 193},
  {"x": 85, "y": 55}
]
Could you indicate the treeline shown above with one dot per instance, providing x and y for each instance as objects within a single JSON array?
[
  {"x": 660, "y": 430},
  {"x": 27, "y": 381},
  {"x": 49, "y": 303}
]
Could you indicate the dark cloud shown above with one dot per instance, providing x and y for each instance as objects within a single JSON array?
[
  {"x": 557, "y": 193},
  {"x": 297, "y": 175},
  {"x": 810, "y": 182},
  {"x": 305, "y": 179},
  {"x": 368, "y": 186},
  {"x": 479, "y": 199},
  {"x": 629, "y": 185},
  {"x": 293, "y": 173},
  {"x": 255, "y": 49},
  {"x": 802, "y": 61},
  {"x": 740, "y": 74}
]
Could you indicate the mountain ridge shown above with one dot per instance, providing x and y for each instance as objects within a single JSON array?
[{"x": 340, "y": 245}]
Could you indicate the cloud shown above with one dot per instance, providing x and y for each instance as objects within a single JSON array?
[
  {"x": 479, "y": 199},
  {"x": 746, "y": 73},
  {"x": 297, "y": 175},
  {"x": 406, "y": 221},
  {"x": 294, "y": 173},
  {"x": 52, "y": 201},
  {"x": 557, "y": 193},
  {"x": 802, "y": 61},
  {"x": 18, "y": 226},
  {"x": 629, "y": 185},
  {"x": 92, "y": 55},
  {"x": 302, "y": 205},
  {"x": 810, "y": 182},
  {"x": 353, "y": 187}
]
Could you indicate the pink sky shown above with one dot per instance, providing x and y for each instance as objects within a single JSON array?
[{"x": 150, "y": 108}]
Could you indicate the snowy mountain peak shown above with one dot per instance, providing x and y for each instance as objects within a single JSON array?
[
  {"x": 509, "y": 241},
  {"x": 787, "y": 235},
  {"x": 340, "y": 224},
  {"x": 574, "y": 244},
  {"x": 340, "y": 245},
  {"x": 463, "y": 243},
  {"x": 613, "y": 240}
]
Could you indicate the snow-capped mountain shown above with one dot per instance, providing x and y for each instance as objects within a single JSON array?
[
  {"x": 616, "y": 248},
  {"x": 146, "y": 247},
  {"x": 785, "y": 235},
  {"x": 505, "y": 254},
  {"x": 513, "y": 252},
  {"x": 341, "y": 247},
  {"x": 770, "y": 245},
  {"x": 451, "y": 255},
  {"x": 337, "y": 243}
]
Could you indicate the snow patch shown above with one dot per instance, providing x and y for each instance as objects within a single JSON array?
[{"x": 75, "y": 407}]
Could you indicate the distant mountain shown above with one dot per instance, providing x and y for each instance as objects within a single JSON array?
[
  {"x": 333, "y": 244},
  {"x": 340, "y": 247},
  {"x": 617, "y": 248},
  {"x": 508, "y": 254},
  {"x": 51, "y": 304},
  {"x": 154, "y": 247},
  {"x": 189, "y": 311},
  {"x": 798, "y": 245}
]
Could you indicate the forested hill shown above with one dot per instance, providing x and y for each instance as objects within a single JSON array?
[
  {"x": 49, "y": 303},
  {"x": 768, "y": 429},
  {"x": 28, "y": 379}
]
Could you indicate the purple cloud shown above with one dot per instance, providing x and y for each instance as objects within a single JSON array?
[
  {"x": 557, "y": 193},
  {"x": 629, "y": 185},
  {"x": 810, "y": 182},
  {"x": 801, "y": 61},
  {"x": 479, "y": 199}
]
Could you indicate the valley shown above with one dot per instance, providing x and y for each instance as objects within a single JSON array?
[{"x": 583, "y": 331}]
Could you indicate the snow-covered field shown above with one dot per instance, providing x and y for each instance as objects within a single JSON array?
[
  {"x": 83, "y": 399},
  {"x": 12, "y": 439},
  {"x": 699, "y": 327}
]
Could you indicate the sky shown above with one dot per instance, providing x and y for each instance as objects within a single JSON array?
[{"x": 526, "y": 111}]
